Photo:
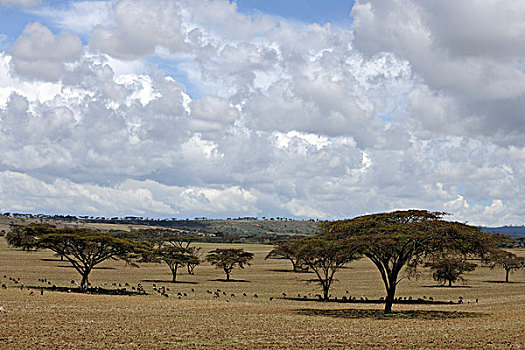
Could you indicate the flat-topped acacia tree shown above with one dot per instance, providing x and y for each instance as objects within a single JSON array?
[
  {"x": 24, "y": 236},
  {"x": 288, "y": 251},
  {"x": 227, "y": 259},
  {"x": 85, "y": 249},
  {"x": 325, "y": 255},
  {"x": 403, "y": 238},
  {"x": 174, "y": 256},
  {"x": 507, "y": 260}
]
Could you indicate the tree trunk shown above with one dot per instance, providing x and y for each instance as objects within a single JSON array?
[
  {"x": 507, "y": 275},
  {"x": 326, "y": 291},
  {"x": 294, "y": 265},
  {"x": 391, "y": 292},
  {"x": 84, "y": 282},
  {"x": 227, "y": 274},
  {"x": 450, "y": 283},
  {"x": 174, "y": 273}
]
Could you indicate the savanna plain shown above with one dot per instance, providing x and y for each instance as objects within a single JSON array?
[{"x": 250, "y": 312}]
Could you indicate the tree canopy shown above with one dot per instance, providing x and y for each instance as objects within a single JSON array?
[
  {"x": 227, "y": 259},
  {"x": 85, "y": 249},
  {"x": 403, "y": 238},
  {"x": 449, "y": 268},
  {"x": 325, "y": 255},
  {"x": 174, "y": 256},
  {"x": 507, "y": 260},
  {"x": 288, "y": 251}
]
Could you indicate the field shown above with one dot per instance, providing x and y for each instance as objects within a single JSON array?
[{"x": 200, "y": 321}]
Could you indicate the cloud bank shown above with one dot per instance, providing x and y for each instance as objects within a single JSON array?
[{"x": 191, "y": 108}]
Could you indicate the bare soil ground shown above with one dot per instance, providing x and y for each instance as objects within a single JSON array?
[{"x": 198, "y": 320}]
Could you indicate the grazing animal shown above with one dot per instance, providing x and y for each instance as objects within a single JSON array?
[
  {"x": 271, "y": 298},
  {"x": 244, "y": 294},
  {"x": 284, "y": 295},
  {"x": 255, "y": 296}
]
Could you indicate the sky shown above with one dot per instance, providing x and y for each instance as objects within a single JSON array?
[{"x": 298, "y": 109}]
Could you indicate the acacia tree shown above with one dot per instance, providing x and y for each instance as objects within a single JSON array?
[
  {"x": 174, "y": 256},
  {"x": 287, "y": 251},
  {"x": 227, "y": 259},
  {"x": 24, "y": 236},
  {"x": 192, "y": 263},
  {"x": 449, "y": 268},
  {"x": 403, "y": 238},
  {"x": 160, "y": 237},
  {"x": 325, "y": 255},
  {"x": 183, "y": 241},
  {"x": 85, "y": 249},
  {"x": 509, "y": 261}
]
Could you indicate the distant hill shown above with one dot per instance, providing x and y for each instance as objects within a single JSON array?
[
  {"x": 513, "y": 231},
  {"x": 241, "y": 227}
]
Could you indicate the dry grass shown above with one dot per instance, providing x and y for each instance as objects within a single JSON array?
[{"x": 200, "y": 321}]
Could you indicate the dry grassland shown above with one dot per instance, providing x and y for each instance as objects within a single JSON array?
[{"x": 58, "y": 320}]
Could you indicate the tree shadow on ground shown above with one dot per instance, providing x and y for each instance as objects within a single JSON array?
[
  {"x": 289, "y": 271},
  {"x": 380, "y": 315},
  {"x": 95, "y": 268},
  {"x": 170, "y": 281},
  {"x": 445, "y": 286},
  {"x": 92, "y": 290},
  {"x": 55, "y": 259},
  {"x": 418, "y": 301},
  {"x": 228, "y": 281},
  {"x": 503, "y": 282}
]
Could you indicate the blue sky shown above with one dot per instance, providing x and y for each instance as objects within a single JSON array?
[
  {"x": 13, "y": 19},
  {"x": 333, "y": 11}
]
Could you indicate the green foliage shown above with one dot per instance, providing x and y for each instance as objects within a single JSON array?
[
  {"x": 24, "y": 236},
  {"x": 289, "y": 251},
  {"x": 227, "y": 259},
  {"x": 325, "y": 255},
  {"x": 449, "y": 268},
  {"x": 174, "y": 256},
  {"x": 83, "y": 248},
  {"x": 507, "y": 260},
  {"x": 403, "y": 238}
]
